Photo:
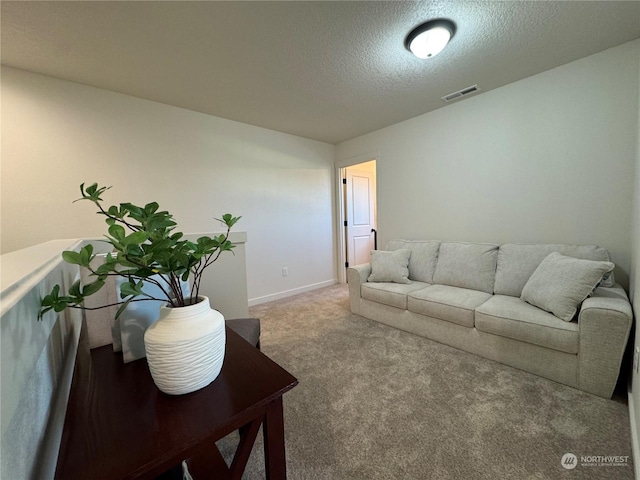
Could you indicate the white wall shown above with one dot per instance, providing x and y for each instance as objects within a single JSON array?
[
  {"x": 546, "y": 159},
  {"x": 634, "y": 290},
  {"x": 58, "y": 134}
]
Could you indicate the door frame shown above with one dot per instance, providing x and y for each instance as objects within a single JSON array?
[{"x": 341, "y": 216}]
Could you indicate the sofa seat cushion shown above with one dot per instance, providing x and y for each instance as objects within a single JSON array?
[
  {"x": 453, "y": 304},
  {"x": 392, "y": 294},
  {"x": 514, "y": 318}
]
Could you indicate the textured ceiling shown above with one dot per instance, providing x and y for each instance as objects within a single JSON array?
[{"x": 324, "y": 70}]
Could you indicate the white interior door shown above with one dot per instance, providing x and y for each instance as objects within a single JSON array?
[{"x": 360, "y": 206}]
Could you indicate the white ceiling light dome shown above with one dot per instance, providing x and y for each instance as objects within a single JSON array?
[{"x": 429, "y": 39}]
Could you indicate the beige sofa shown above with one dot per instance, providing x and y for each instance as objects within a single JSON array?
[{"x": 497, "y": 301}]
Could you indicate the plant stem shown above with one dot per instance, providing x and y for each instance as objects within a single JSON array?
[
  {"x": 197, "y": 278},
  {"x": 120, "y": 220},
  {"x": 82, "y": 307},
  {"x": 129, "y": 277}
]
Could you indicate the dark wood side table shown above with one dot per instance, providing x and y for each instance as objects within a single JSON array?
[{"x": 118, "y": 424}]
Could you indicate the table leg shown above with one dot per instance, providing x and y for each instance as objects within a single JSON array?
[
  {"x": 273, "y": 430},
  {"x": 248, "y": 435},
  {"x": 207, "y": 462}
]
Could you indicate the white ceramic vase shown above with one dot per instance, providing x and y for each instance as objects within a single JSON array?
[{"x": 185, "y": 347}]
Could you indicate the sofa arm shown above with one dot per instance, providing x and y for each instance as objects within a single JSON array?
[
  {"x": 605, "y": 322},
  {"x": 356, "y": 276}
]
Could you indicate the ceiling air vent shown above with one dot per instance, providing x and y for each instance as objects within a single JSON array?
[{"x": 461, "y": 93}]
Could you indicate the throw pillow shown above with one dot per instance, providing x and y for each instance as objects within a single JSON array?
[
  {"x": 561, "y": 283},
  {"x": 390, "y": 266}
]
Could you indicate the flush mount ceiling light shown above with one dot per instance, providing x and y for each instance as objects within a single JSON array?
[{"x": 428, "y": 39}]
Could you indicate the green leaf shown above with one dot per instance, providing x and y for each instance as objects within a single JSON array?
[
  {"x": 92, "y": 288},
  {"x": 86, "y": 255},
  {"x": 229, "y": 220},
  {"x": 135, "y": 238},
  {"x": 117, "y": 232},
  {"x": 74, "y": 291},
  {"x": 132, "y": 209},
  {"x": 151, "y": 207},
  {"x": 54, "y": 302},
  {"x": 92, "y": 193},
  {"x": 59, "y": 307},
  {"x": 131, "y": 288},
  {"x": 123, "y": 306},
  {"x": 71, "y": 257},
  {"x": 105, "y": 268}
]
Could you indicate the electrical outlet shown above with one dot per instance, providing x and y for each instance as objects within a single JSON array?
[{"x": 285, "y": 271}]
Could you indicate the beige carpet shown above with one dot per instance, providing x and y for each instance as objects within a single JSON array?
[{"x": 377, "y": 403}]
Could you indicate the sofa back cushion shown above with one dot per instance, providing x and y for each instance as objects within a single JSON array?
[
  {"x": 467, "y": 265},
  {"x": 424, "y": 255},
  {"x": 517, "y": 262}
]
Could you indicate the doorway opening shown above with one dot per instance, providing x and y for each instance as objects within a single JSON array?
[{"x": 358, "y": 215}]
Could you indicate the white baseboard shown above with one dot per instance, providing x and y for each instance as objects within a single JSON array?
[
  {"x": 635, "y": 447},
  {"x": 290, "y": 293}
]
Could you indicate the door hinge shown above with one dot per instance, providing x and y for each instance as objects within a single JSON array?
[
  {"x": 345, "y": 223},
  {"x": 346, "y": 264},
  {"x": 344, "y": 181}
]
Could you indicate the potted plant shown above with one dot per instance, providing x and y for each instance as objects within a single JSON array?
[{"x": 185, "y": 347}]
